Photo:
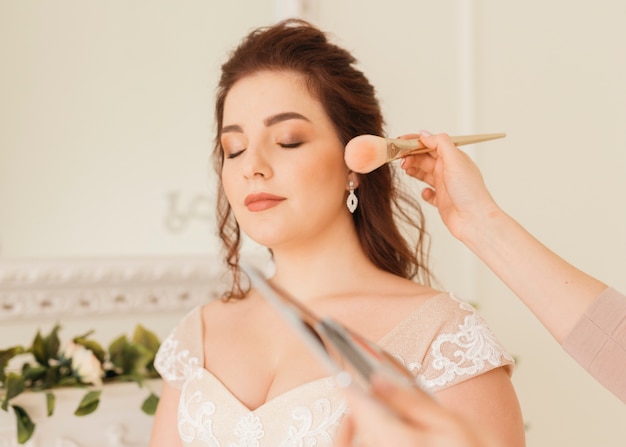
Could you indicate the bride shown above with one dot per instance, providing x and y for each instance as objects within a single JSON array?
[{"x": 287, "y": 103}]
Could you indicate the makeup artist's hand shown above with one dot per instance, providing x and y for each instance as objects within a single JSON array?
[
  {"x": 403, "y": 417},
  {"x": 456, "y": 188}
]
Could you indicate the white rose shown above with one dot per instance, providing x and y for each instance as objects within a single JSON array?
[
  {"x": 17, "y": 363},
  {"x": 84, "y": 363},
  {"x": 69, "y": 349}
]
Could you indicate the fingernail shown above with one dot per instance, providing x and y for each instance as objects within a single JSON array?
[{"x": 425, "y": 133}]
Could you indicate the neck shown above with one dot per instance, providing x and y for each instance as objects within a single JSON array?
[{"x": 321, "y": 269}]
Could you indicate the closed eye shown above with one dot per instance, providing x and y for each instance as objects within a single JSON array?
[
  {"x": 290, "y": 145},
  {"x": 235, "y": 154}
]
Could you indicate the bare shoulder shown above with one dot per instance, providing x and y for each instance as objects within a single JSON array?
[
  {"x": 219, "y": 314},
  {"x": 386, "y": 301},
  {"x": 213, "y": 311},
  {"x": 404, "y": 293}
]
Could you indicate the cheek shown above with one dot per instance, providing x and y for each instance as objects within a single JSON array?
[
  {"x": 326, "y": 186},
  {"x": 330, "y": 173},
  {"x": 327, "y": 159}
]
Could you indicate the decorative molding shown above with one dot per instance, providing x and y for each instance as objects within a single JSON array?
[{"x": 32, "y": 289}]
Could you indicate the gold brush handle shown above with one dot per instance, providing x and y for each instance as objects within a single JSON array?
[{"x": 399, "y": 148}]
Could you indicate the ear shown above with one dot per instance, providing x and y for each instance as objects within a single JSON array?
[{"x": 355, "y": 180}]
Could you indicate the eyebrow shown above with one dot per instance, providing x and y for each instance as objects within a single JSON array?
[
  {"x": 280, "y": 117},
  {"x": 269, "y": 121}
]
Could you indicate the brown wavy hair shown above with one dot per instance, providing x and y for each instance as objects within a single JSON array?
[{"x": 350, "y": 101}]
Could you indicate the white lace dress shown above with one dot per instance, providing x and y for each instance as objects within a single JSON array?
[{"x": 443, "y": 342}]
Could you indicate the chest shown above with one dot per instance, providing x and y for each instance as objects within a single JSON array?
[{"x": 259, "y": 358}]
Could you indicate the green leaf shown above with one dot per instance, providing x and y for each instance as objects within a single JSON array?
[
  {"x": 86, "y": 334},
  {"x": 146, "y": 357},
  {"x": 144, "y": 337},
  {"x": 50, "y": 400},
  {"x": 67, "y": 381},
  {"x": 25, "y": 426},
  {"x": 148, "y": 339},
  {"x": 150, "y": 404},
  {"x": 46, "y": 348},
  {"x": 116, "y": 351},
  {"x": 51, "y": 377},
  {"x": 38, "y": 349},
  {"x": 89, "y": 403},
  {"x": 14, "y": 385},
  {"x": 52, "y": 343},
  {"x": 5, "y": 356},
  {"x": 132, "y": 358},
  {"x": 33, "y": 373}
]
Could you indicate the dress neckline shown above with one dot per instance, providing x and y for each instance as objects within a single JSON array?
[
  {"x": 278, "y": 400},
  {"x": 303, "y": 386}
]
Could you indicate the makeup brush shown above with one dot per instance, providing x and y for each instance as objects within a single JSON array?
[{"x": 365, "y": 153}]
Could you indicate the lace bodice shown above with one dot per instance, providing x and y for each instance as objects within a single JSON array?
[{"x": 443, "y": 342}]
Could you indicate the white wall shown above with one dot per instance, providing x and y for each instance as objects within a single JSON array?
[
  {"x": 107, "y": 107},
  {"x": 552, "y": 75}
]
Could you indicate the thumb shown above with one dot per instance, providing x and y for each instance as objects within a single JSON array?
[{"x": 441, "y": 143}]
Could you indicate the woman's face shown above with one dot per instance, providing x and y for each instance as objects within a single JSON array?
[{"x": 283, "y": 173}]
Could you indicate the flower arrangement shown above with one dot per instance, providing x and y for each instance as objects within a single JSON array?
[{"x": 81, "y": 362}]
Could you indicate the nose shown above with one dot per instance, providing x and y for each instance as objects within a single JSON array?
[{"x": 257, "y": 162}]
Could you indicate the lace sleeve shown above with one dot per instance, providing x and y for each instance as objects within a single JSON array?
[
  {"x": 462, "y": 348},
  {"x": 181, "y": 352},
  {"x": 444, "y": 342}
]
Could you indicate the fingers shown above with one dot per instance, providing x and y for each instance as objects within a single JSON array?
[
  {"x": 440, "y": 142},
  {"x": 409, "y": 136},
  {"x": 429, "y": 195},
  {"x": 432, "y": 141},
  {"x": 413, "y": 164},
  {"x": 421, "y": 166},
  {"x": 419, "y": 173}
]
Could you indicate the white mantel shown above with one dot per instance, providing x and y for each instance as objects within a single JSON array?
[{"x": 117, "y": 422}]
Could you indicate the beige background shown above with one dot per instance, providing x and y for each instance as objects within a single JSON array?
[{"x": 106, "y": 117}]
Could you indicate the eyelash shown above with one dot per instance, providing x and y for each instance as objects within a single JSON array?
[
  {"x": 282, "y": 145},
  {"x": 235, "y": 154},
  {"x": 290, "y": 145}
]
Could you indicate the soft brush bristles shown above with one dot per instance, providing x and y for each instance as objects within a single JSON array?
[{"x": 365, "y": 153}]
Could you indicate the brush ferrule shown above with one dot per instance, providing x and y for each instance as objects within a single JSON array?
[{"x": 396, "y": 146}]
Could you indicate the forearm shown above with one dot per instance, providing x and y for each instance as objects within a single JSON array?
[{"x": 554, "y": 290}]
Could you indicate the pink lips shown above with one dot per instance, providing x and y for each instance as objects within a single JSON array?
[{"x": 261, "y": 201}]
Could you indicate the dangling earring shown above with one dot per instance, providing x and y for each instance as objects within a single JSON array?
[{"x": 353, "y": 200}]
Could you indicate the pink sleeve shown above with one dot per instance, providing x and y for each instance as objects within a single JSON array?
[{"x": 598, "y": 341}]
